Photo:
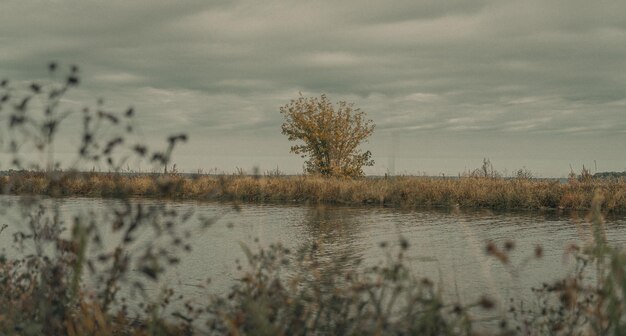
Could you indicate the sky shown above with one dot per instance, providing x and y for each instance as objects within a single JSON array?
[{"x": 529, "y": 84}]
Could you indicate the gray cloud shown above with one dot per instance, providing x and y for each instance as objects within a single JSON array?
[{"x": 503, "y": 67}]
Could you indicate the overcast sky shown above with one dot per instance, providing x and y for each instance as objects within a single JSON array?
[{"x": 536, "y": 84}]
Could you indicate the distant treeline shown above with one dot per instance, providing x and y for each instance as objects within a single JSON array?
[{"x": 610, "y": 174}]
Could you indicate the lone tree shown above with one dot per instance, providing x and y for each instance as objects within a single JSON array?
[{"x": 331, "y": 135}]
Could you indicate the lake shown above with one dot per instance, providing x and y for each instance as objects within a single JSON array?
[{"x": 446, "y": 245}]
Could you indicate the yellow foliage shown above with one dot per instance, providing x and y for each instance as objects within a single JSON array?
[{"x": 331, "y": 135}]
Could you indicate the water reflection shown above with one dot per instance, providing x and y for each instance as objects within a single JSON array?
[
  {"x": 446, "y": 245},
  {"x": 329, "y": 234}
]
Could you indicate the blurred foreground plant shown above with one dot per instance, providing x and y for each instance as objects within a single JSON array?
[
  {"x": 289, "y": 293},
  {"x": 590, "y": 301},
  {"x": 42, "y": 284}
]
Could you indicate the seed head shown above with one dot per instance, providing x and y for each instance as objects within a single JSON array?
[{"x": 486, "y": 303}]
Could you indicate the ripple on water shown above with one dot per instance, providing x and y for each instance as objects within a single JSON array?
[{"x": 447, "y": 246}]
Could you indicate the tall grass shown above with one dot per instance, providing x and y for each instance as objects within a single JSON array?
[{"x": 406, "y": 191}]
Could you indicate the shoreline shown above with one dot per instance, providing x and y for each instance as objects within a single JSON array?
[{"x": 399, "y": 191}]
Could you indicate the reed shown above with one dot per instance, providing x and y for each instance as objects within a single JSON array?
[{"x": 402, "y": 191}]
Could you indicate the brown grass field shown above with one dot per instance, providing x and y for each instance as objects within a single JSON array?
[{"x": 404, "y": 191}]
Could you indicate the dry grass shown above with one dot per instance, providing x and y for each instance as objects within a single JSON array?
[
  {"x": 282, "y": 292},
  {"x": 464, "y": 192}
]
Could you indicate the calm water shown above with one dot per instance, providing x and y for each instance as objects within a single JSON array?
[{"x": 446, "y": 246}]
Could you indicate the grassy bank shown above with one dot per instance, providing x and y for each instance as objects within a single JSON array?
[{"x": 465, "y": 192}]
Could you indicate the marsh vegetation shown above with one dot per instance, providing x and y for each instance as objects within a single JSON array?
[
  {"x": 99, "y": 272},
  {"x": 398, "y": 191}
]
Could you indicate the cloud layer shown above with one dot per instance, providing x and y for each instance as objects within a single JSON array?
[{"x": 222, "y": 68}]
